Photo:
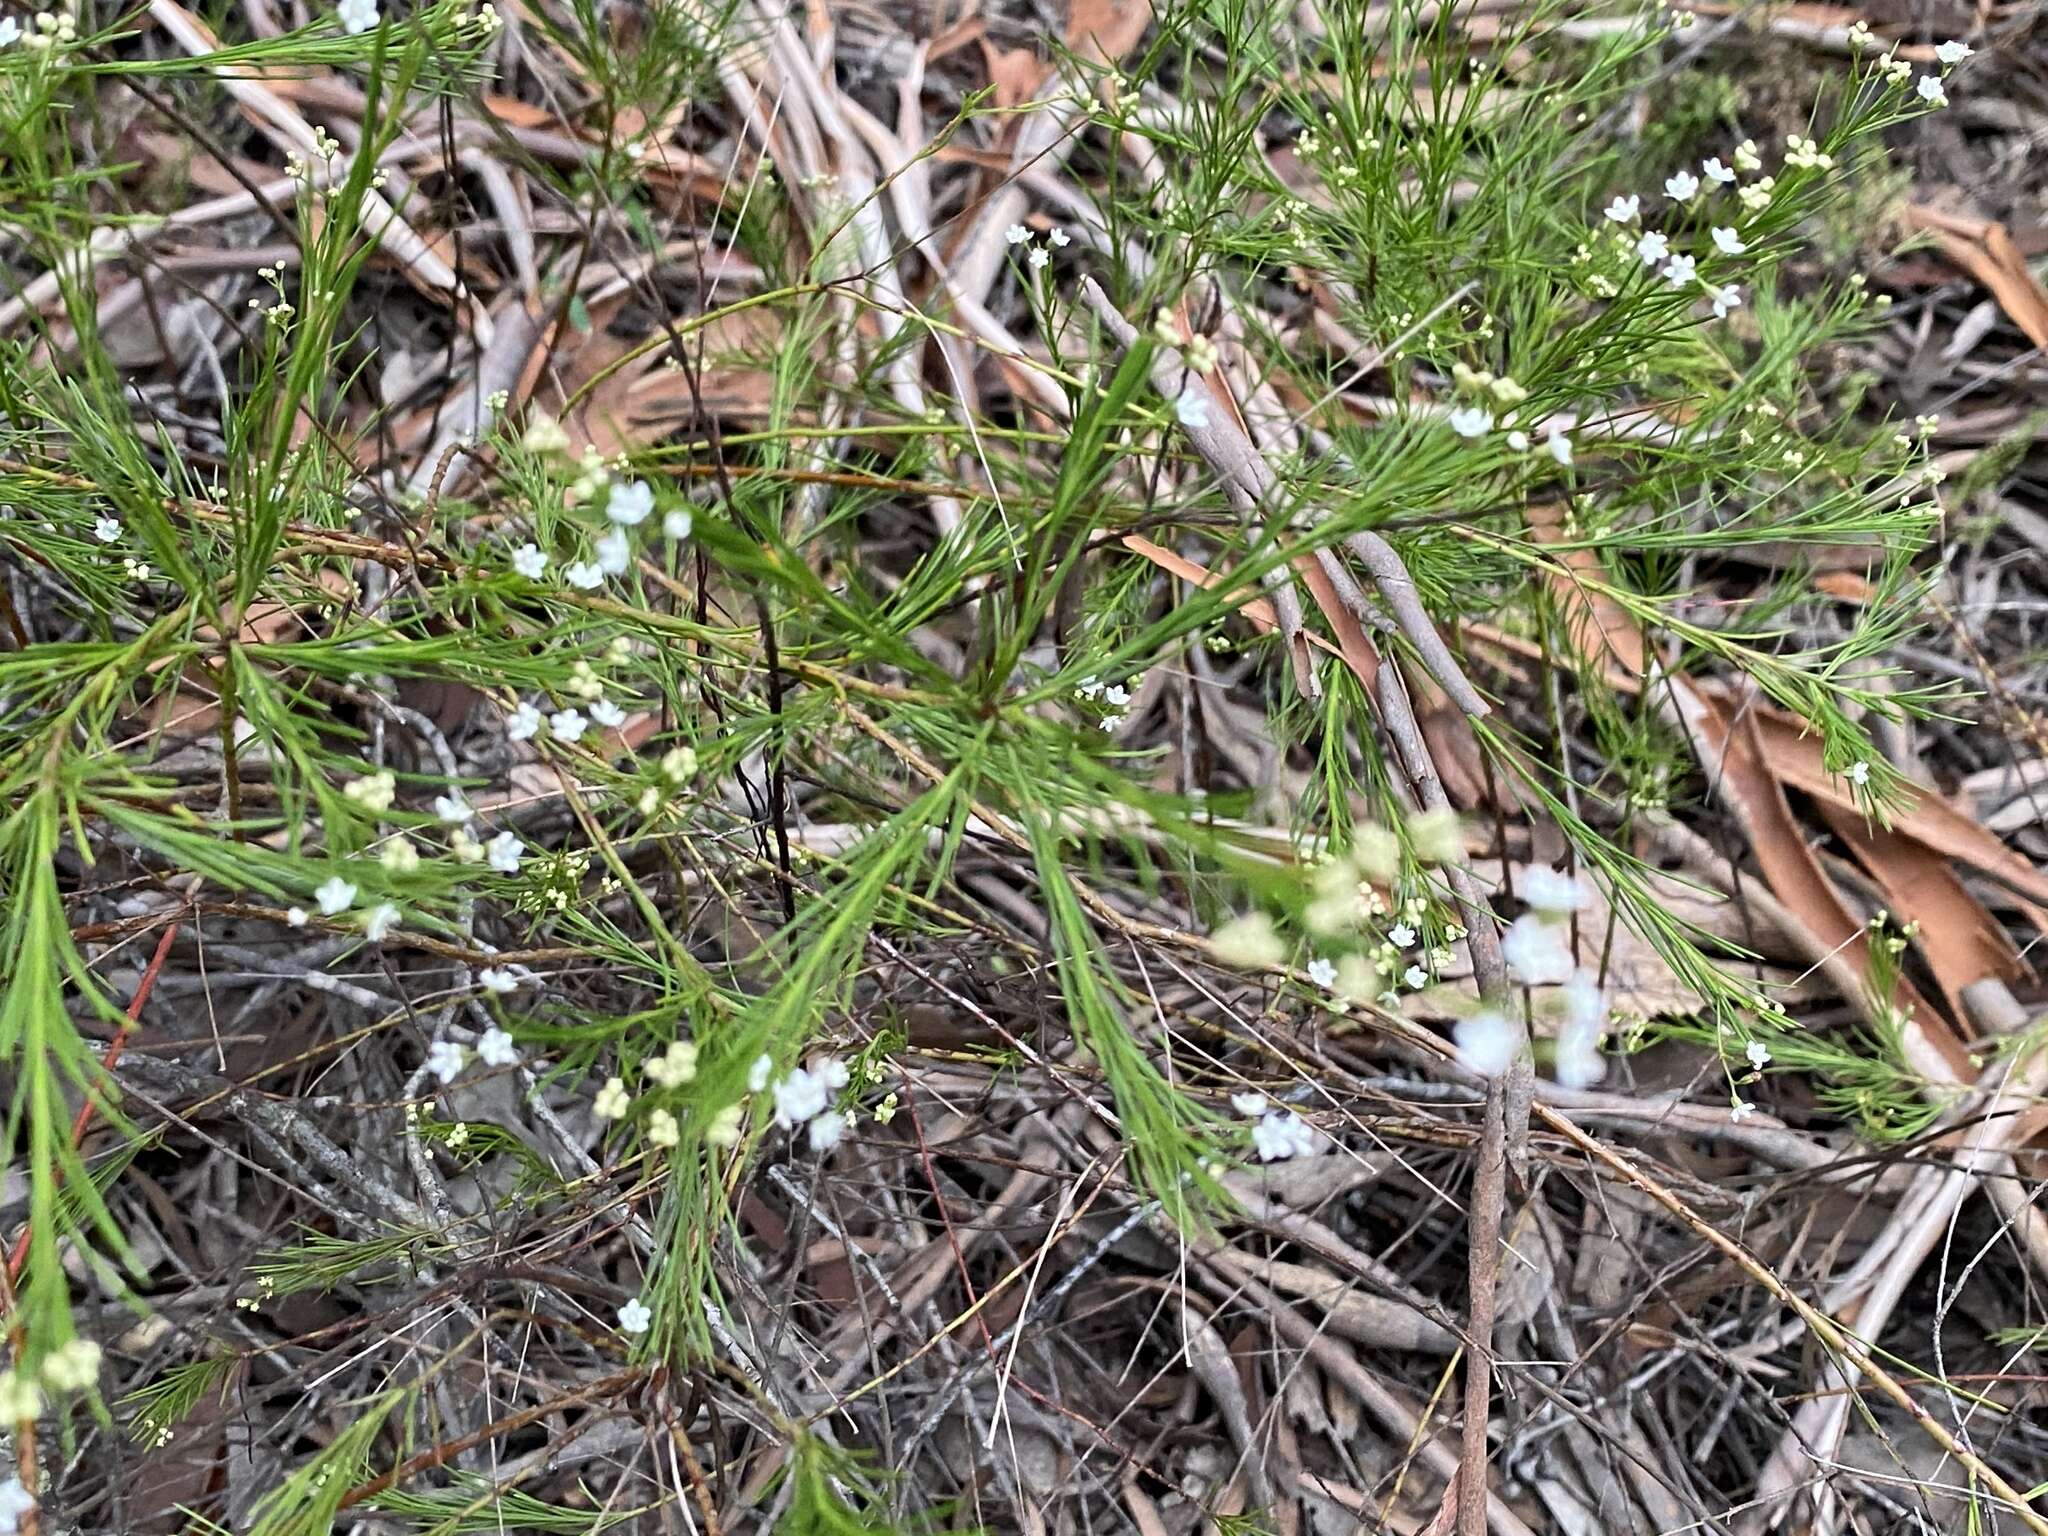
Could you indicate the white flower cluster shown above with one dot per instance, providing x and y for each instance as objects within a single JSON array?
[
  {"x": 569, "y": 723},
  {"x": 15, "y": 1500},
  {"x": 73, "y": 1366},
  {"x": 106, "y": 529},
  {"x": 1114, "y": 697},
  {"x": 678, "y": 767},
  {"x": 1345, "y": 905},
  {"x": 1040, "y": 255},
  {"x": 803, "y": 1097},
  {"x": 46, "y": 30},
  {"x": 1277, "y": 1134},
  {"x": 1342, "y": 904},
  {"x": 1475, "y": 420},
  {"x": 628, "y": 504},
  {"x": 1537, "y": 950},
  {"x": 494, "y": 1047},
  {"x": 1653, "y": 247},
  {"x": 675, "y": 1067}
]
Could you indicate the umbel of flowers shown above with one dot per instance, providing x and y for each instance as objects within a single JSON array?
[{"x": 1379, "y": 950}]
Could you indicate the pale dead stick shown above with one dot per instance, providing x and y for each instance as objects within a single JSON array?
[
  {"x": 283, "y": 125},
  {"x": 107, "y": 242}
]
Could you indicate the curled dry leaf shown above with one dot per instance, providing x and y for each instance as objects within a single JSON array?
[{"x": 1984, "y": 249}]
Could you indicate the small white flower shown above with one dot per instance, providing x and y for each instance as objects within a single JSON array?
[
  {"x": 1728, "y": 242},
  {"x": 1535, "y": 951},
  {"x": 1191, "y": 406},
  {"x": 296, "y": 916},
  {"x": 1060, "y": 237},
  {"x": 1741, "y": 1110},
  {"x": 568, "y": 724},
  {"x": 629, "y": 503},
  {"x": 1250, "y": 1105},
  {"x": 662, "y": 1129},
  {"x": 676, "y": 523},
  {"x": 379, "y": 921},
  {"x": 523, "y": 723},
  {"x": 15, "y": 1500},
  {"x": 1931, "y": 92},
  {"x": 1438, "y": 837},
  {"x": 1859, "y": 774},
  {"x": 1726, "y": 299},
  {"x": 675, "y": 1066},
  {"x": 1401, "y": 936},
  {"x": 1859, "y": 36},
  {"x": 1518, "y": 440},
  {"x": 1624, "y": 209},
  {"x": 612, "y": 1100},
  {"x": 1038, "y": 258},
  {"x": 724, "y": 1129},
  {"x": 757, "y": 1074},
  {"x": 400, "y": 856},
  {"x": 20, "y": 1397},
  {"x": 1684, "y": 186},
  {"x": 529, "y": 562},
  {"x": 635, "y": 1318},
  {"x": 583, "y": 575},
  {"x": 1953, "y": 52},
  {"x": 1487, "y": 1042},
  {"x": 1416, "y": 977},
  {"x": 828, "y": 1128},
  {"x": 1471, "y": 421},
  {"x": 1559, "y": 445},
  {"x": 1758, "y": 1053},
  {"x": 1716, "y": 172},
  {"x": 1017, "y": 234},
  {"x": 373, "y": 791},
  {"x": 1322, "y": 973},
  {"x": 107, "y": 530},
  {"x": 799, "y": 1098},
  {"x": 505, "y": 851},
  {"x": 444, "y": 1060},
  {"x": 451, "y": 809},
  {"x": 607, "y": 714},
  {"x": 494, "y": 1048},
  {"x": 71, "y": 1367},
  {"x": 10, "y": 34},
  {"x": 1579, "y": 1064},
  {"x": 1678, "y": 271},
  {"x": 334, "y": 896},
  {"x": 497, "y": 979},
  {"x": 1746, "y": 156},
  {"x": 1283, "y": 1134},
  {"x": 356, "y": 16},
  {"x": 1652, "y": 248},
  {"x": 1553, "y": 892},
  {"x": 544, "y": 434},
  {"x": 614, "y": 553},
  {"x": 833, "y": 1073}
]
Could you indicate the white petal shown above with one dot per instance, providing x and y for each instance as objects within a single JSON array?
[{"x": 1487, "y": 1042}]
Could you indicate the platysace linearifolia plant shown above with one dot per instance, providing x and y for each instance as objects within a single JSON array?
[{"x": 793, "y": 694}]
